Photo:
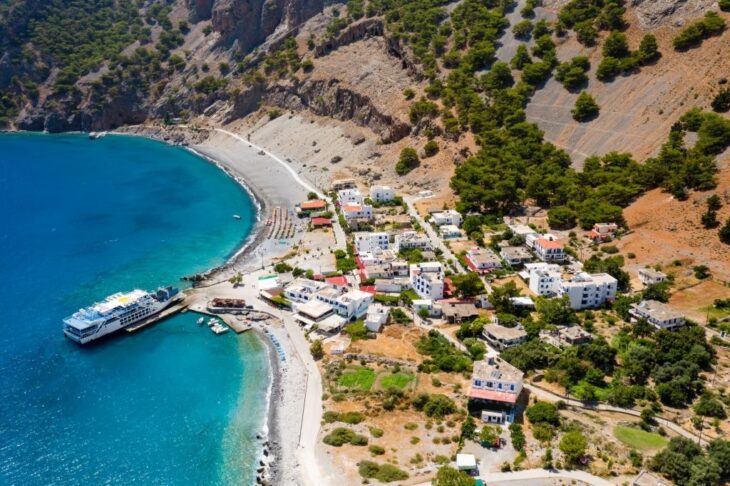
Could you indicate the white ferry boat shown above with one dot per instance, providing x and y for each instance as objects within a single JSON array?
[{"x": 116, "y": 312}]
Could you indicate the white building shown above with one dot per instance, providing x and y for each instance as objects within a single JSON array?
[
  {"x": 449, "y": 231},
  {"x": 545, "y": 282},
  {"x": 427, "y": 279},
  {"x": 350, "y": 196},
  {"x": 549, "y": 250},
  {"x": 585, "y": 291},
  {"x": 501, "y": 337},
  {"x": 368, "y": 242},
  {"x": 396, "y": 268},
  {"x": 603, "y": 231},
  {"x": 382, "y": 193},
  {"x": 649, "y": 276},
  {"x": 482, "y": 260},
  {"x": 350, "y": 305},
  {"x": 392, "y": 285},
  {"x": 449, "y": 216},
  {"x": 410, "y": 239},
  {"x": 515, "y": 256},
  {"x": 434, "y": 310},
  {"x": 376, "y": 317},
  {"x": 354, "y": 210},
  {"x": 495, "y": 381},
  {"x": 658, "y": 314},
  {"x": 377, "y": 256},
  {"x": 303, "y": 290},
  {"x": 320, "y": 314}
]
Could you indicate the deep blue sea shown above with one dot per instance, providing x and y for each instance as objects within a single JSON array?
[{"x": 173, "y": 404}]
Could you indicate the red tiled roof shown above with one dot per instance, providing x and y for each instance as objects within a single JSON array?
[
  {"x": 341, "y": 280},
  {"x": 370, "y": 289},
  {"x": 314, "y": 204},
  {"x": 549, "y": 244},
  {"x": 321, "y": 222},
  {"x": 495, "y": 396}
]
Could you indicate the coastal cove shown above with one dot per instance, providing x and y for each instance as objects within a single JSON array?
[{"x": 172, "y": 404}]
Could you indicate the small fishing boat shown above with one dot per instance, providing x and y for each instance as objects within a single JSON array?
[
  {"x": 201, "y": 321},
  {"x": 219, "y": 329},
  {"x": 236, "y": 216}
]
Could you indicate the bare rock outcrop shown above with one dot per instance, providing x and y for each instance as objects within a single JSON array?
[
  {"x": 653, "y": 13},
  {"x": 250, "y": 22}
]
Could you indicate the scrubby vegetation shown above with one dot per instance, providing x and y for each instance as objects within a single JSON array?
[
  {"x": 585, "y": 108},
  {"x": 442, "y": 354},
  {"x": 693, "y": 35}
]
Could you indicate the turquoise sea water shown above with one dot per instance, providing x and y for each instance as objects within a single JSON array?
[{"x": 173, "y": 404}]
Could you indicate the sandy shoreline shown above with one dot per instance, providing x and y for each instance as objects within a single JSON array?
[{"x": 271, "y": 183}]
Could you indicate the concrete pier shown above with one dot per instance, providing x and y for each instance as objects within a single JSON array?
[{"x": 170, "y": 311}]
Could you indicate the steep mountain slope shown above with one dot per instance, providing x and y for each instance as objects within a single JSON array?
[{"x": 637, "y": 109}]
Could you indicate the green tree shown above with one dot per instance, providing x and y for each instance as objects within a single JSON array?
[
  {"x": 488, "y": 435},
  {"x": 608, "y": 69},
  {"x": 522, "y": 29},
  {"x": 448, "y": 476},
  {"x": 468, "y": 284},
  {"x": 616, "y": 45},
  {"x": 724, "y": 233},
  {"x": 408, "y": 161},
  {"x": 316, "y": 349},
  {"x": 521, "y": 58},
  {"x": 585, "y": 107},
  {"x": 499, "y": 77},
  {"x": 543, "y": 412},
  {"x": 431, "y": 148},
  {"x": 573, "y": 445},
  {"x": 648, "y": 49},
  {"x": 561, "y": 217}
]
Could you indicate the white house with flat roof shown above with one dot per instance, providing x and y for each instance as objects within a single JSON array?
[
  {"x": 366, "y": 242},
  {"x": 449, "y": 231},
  {"x": 501, "y": 337},
  {"x": 449, "y": 216},
  {"x": 382, "y": 193},
  {"x": 427, "y": 279},
  {"x": 350, "y": 305},
  {"x": 649, "y": 276},
  {"x": 658, "y": 314},
  {"x": 589, "y": 290},
  {"x": 515, "y": 256},
  {"x": 376, "y": 317},
  {"x": 350, "y": 196},
  {"x": 409, "y": 240},
  {"x": 545, "y": 282},
  {"x": 303, "y": 290},
  {"x": 482, "y": 260}
]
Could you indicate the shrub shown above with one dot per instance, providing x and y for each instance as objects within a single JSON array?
[
  {"x": 543, "y": 412},
  {"x": 341, "y": 435},
  {"x": 316, "y": 349},
  {"x": 712, "y": 24},
  {"x": 407, "y": 162},
  {"x": 721, "y": 102},
  {"x": 376, "y": 450},
  {"x": 608, "y": 69},
  {"x": 585, "y": 108},
  {"x": 439, "y": 406},
  {"x": 573, "y": 73},
  {"x": 561, "y": 217},
  {"x": 573, "y": 446},
  {"x": 648, "y": 49},
  {"x": 431, "y": 148},
  {"x": 522, "y": 29},
  {"x": 376, "y": 432}
]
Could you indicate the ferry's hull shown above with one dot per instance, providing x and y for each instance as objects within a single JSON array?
[{"x": 115, "y": 325}]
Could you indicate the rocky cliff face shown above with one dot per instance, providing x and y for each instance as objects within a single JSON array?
[
  {"x": 652, "y": 13},
  {"x": 249, "y": 22}
]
